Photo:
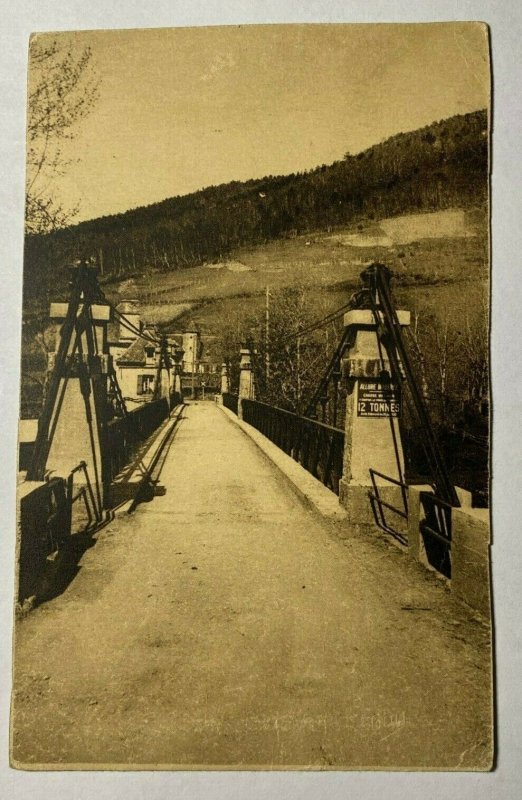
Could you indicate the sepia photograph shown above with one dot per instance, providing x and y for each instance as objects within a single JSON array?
[{"x": 253, "y": 491}]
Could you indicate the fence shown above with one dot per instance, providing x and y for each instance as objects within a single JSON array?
[
  {"x": 391, "y": 517},
  {"x": 317, "y": 447},
  {"x": 230, "y": 401},
  {"x": 436, "y": 530},
  {"x": 125, "y": 434},
  {"x": 84, "y": 492}
]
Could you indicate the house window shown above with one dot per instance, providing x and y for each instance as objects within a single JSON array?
[
  {"x": 149, "y": 353},
  {"x": 145, "y": 384}
]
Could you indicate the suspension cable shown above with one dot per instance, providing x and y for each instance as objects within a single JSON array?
[
  {"x": 132, "y": 328},
  {"x": 313, "y": 326},
  {"x": 126, "y": 322},
  {"x": 146, "y": 337}
]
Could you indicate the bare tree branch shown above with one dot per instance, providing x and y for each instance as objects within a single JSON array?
[{"x": 62, "y": 90}]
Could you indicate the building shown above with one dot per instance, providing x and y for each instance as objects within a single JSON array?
[
  {"x": 200, "y": 361},
  {"x": 194, "y": 356},
  {"x": 136, "y": 357}
]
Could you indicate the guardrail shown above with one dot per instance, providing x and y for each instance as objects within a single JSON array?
[
  {"x": 126, "y": 433},
  {"x": 230, "y": 401},
  {"x": 84, "y": 492},
  {"x": 436, "y": 529},
  {"x": 432, "y": 519},
  {"x": 150, "y": 472},
  {"x": 380, "y": 506},
  {"x": 317, "y": 447}
]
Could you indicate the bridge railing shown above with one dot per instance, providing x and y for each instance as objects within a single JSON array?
[
  {"x": 391, "y": 517},
  {"x": 230, "y": 401},
  {"x": 85, "y": 493},
  {"x": 436, "y": 529},
  {"x": 317, "y": 447},
  {"x": 126, "y": 433}
]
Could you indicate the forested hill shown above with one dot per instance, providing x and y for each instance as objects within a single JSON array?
[{"x": 444, "y": 164}]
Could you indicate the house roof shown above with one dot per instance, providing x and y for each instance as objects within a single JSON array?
[{"x": 135, "y": 354}]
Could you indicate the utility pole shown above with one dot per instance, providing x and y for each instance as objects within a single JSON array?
[
  {"x": 298, "y": 409},
  {"x": 267, "y": 337},
  {"x": 193, "y": 368}
]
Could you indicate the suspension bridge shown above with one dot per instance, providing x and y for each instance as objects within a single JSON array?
[{"x": 229, "y": 583}]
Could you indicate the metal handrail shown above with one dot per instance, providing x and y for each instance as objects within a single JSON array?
[
  {"x": 231, "y": 401},
  {"x": 298, "y": 416},
  {"x": 377, "y": 505},
  {"x": 436, "y": 526},
  {"x": 318, "y": 447},
  {"x": 84, "y": 491},
  {"x": 444, "y": 533},
  {"x": 387, "y": 477},
  {"x": 126, "y": 433},
  {"x": 396, "y": 482}
]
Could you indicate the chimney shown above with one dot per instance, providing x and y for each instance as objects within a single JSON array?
[{"x": 129, "y": 309}]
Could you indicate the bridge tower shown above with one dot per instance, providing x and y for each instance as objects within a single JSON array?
[
  {"x": 163, "y": 384},
  {"x": 77, "y": 398},
  {"x": 373, "y": 411},
  {"x": 225, "y": 378},
  {"x": 246, "y": 378},
  {"x": 178, "y": 369}
]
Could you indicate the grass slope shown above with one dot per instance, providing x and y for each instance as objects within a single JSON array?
[{"x": 329, "y": 265}]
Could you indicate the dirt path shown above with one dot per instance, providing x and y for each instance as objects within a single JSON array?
[{"x": 224, "y": 623}]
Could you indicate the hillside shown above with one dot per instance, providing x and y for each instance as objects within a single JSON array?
[
  {"x": 441, "y": 166},
  {"x": 439, "y": 259},
  {"x": 423, "y": 251}
]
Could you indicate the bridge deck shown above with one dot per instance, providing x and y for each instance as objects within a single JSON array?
[{"x": 225, "y": 623}]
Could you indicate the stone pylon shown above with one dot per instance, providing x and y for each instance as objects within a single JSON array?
[
  {"x": 373, "y": 410},
  {"x": 178, "y": 369},
  {"x": 246, "y": 379},
  {"x": 81, "y": 406},
  {"x": 225, "y": 378}
]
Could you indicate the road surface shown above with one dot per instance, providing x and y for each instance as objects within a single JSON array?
[{"x": 225, "y": 623}]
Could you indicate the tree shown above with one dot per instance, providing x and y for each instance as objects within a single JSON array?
[
  {"x": 474, "y": 350},
  {"x": 296, "y": 363},
  {"x": 62, "y": 89},
  {"x": 450, "y": 357}
]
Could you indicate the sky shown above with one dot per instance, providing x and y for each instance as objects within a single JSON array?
[{"x": 183, "y": 108}]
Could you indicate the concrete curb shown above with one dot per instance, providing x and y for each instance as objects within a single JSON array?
[
  {"x": 311, "y": 490},
  {"x": 147, "y": 460}
]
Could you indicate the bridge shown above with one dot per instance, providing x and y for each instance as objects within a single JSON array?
[{"x": 231, "y": 584}]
